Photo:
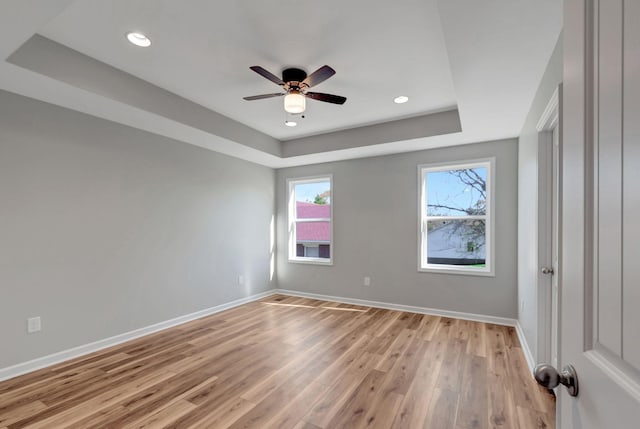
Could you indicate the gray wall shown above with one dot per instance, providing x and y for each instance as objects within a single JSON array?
[
  {"x": 105, "y": 229},
  {"x": 376, "y": 234},
  {"x": 528, "y": 265}
]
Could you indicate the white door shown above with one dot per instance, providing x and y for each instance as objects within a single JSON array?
[{"x": 600, "y": 242}]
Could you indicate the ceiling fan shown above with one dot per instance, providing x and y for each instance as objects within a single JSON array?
[{"x": 295, "y": 83}]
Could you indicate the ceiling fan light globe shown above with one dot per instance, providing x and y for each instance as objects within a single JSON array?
[{"x": 294, "y": 103}]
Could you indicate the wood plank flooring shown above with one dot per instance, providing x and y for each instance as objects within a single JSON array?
[{"x": 286, "y": 362}]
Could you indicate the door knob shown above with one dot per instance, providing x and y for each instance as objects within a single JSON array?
[
  {"x": 547, "y": 376},
  {"x": 547, "y": 270}
]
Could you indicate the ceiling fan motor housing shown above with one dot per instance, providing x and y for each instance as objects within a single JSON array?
[{"x": 293, "y": 75}]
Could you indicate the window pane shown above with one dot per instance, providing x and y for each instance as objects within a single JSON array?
[
  {"x": 312, "y": 191},
  {"x": 459, "y": 192},
  {"x": 456, "y": 242},
  {"x": 313, "y": 239},
  {"x": 311, "y": 251},
  {"x": 306, "y": 210}
]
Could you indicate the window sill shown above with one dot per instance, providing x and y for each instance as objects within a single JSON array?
[
  {"x": 456, "y": 271},
  {"x": 312, "y": 261}
]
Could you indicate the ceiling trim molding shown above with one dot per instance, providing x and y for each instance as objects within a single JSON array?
[
  {"x": 430, "y": 125},
  {"x": 549, "y": 117}
]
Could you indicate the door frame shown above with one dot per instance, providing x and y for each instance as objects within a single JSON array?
[{"x": 549, "y": 120}]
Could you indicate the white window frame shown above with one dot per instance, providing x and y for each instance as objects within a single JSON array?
[
  {"x": 423, "y": 266},
  {"x": 291, "y": 219}
]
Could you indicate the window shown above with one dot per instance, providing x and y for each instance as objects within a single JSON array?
[
  {"x": 310, "y": 214},
  {"x": 456, "y": 221}
]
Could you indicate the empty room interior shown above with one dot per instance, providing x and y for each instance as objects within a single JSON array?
[{"x": 305, "y": 215}]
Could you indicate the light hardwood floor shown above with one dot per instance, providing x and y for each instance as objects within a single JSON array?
[{"x": 286, "y": 362}]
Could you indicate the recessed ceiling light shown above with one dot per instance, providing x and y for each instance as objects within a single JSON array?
[
  {"x": 401, "y": 99},
  {"x": 290, "y": 123},
  {"x": 138, "y": 39}
]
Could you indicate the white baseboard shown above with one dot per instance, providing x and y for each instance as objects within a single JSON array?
[
  {"x": 408, "y": 308},
  {"x": 525, "y": 347},
  {"x": 45, "y": 361}
]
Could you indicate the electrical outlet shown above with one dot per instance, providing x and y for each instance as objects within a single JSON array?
[
  {"x": 521, "y": 306},
  {"x": 241, "y": 280},
  {"x": 34, "y": 324},
  {"x": 366, "y": 281}
]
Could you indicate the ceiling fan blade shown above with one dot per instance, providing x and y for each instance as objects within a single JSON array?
[
  {"x": 319, "y": 76},
  {"x": 263, "y": 96},
  {"x": 267, "y": 74},
  {"x": 329, "y": 98}
]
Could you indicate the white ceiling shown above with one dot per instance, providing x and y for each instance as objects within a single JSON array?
[
  {"x": 202, "y": 51},
  {"x": 485, "y": 58}
]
